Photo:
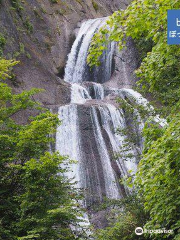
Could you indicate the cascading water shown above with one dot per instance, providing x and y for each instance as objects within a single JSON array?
[
  {"x": 79, "y": 94},
  {"x": 77, "y": 69},
  {"x": 67, "y": 140},
  {"x": 88, "y": 133}
]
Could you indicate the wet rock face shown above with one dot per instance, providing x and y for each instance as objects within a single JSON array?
[
  {"x": 88, "y": 132},
  {"x": 40, "y": 36},
  {"x": 124, "y": 63},
  {"x": 94, "y": 179}
]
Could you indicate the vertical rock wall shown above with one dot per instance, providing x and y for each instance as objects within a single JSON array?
[{"x": 40, "y": 33}]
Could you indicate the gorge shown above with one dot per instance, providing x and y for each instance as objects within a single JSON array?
[
  {"x": 89, "y": 120},
  {"x": 94, "y": 128}
]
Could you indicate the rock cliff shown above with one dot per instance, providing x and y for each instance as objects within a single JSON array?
[{"x": 40, "y": 33}]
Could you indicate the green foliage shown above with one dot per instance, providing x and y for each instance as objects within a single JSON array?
[
  {"x": 16, "y": 4},
  {"x": 45, "y": 202},
  {"x": 146, "y": 113},
  {"x": 22, "y": 48},
  {"x": 158, "y": 178},
  {"x": 36, "y": 199},
  {"x": 146, "y": 22},
  {"x": 95, "y": 5},
  {"x": 54, "y": 1},
  {"x": 5, "y": 65},
  {"x": 37, "y": 13},
  {"x": 127, "y": 214},
  {"x": 2, "y": 44},
  {"x": 28, "y": 25},
  {"x": 152, "y": 131},
  {"x": 157, "y": 181}
]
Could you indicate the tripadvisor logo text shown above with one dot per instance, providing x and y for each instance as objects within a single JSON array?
[{"x": 140, "y": 231}]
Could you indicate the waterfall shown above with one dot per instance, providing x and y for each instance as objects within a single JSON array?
[
  {"x": 90, "y": 123},
  {"x": 67, "y": 139},
  {"x": 114, "y": 119},
  {"x": 77, "y": 69},
  {"x": 96, "y": 90},
  {"x": 77, "y": 58},
  {"x": 79, "y": 94},
  {"x": 137, "y": 98},
  {"x": 111, "y": 187}
]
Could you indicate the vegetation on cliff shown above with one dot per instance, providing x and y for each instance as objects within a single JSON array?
[
  {"x": 36, "y": 200},
  {"x": 157, "y": 179}
]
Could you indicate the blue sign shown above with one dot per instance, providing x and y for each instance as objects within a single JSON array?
[{"x": 173, "y": 29}]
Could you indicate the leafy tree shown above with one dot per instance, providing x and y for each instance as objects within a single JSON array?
[
  {"x": 5, "y": 66},
  {"x": 127, "y": 214},
  {"x": 145, "y": 21},
  {"x": 157, "y": 180},
  {"x": 36, "y": 200}
]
